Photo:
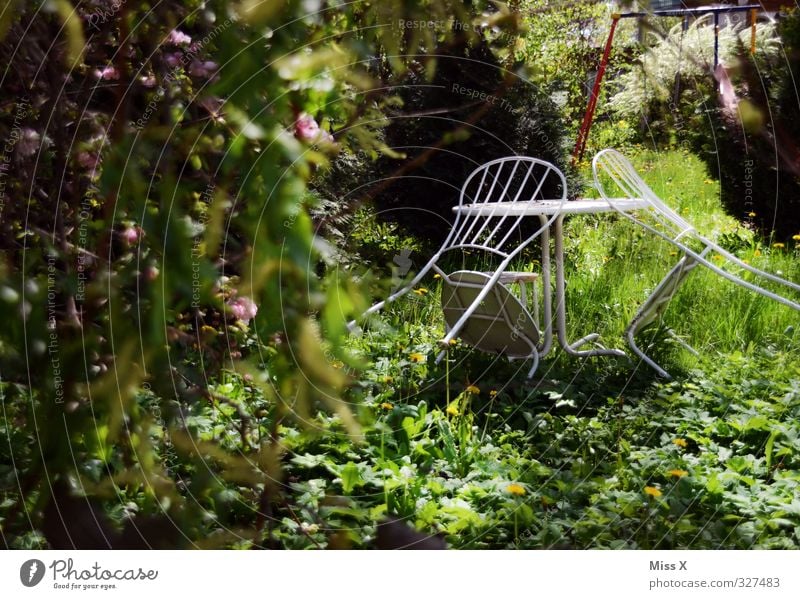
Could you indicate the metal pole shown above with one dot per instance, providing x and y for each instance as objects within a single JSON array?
[{"x": 586, "y": 125}]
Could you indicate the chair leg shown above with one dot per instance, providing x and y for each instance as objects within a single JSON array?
[
  {"x": 655, "y": 304},
  {"x": 649, "y": 361}
]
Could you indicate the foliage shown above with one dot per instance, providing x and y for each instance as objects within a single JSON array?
[
  {"x": 563, "y": 48},
  {"x": 744, "y": 133},
  {"x": 681, "y": 60},
  {"x": 474, "y": 109},
  {"x": 160, "y": 232}
]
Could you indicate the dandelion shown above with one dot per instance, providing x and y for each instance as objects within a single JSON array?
[
  {"x": 421, "y": 291},
  {"x": 387, "y": 379},
  {"x": 757, "y": 253},
  {"x": 653, "y": 491},
  {"x": 437, "y": 276},
  {"x": 452, "y": 410},
  {"x": 416, "y": 357},
  {"x": 751, "y": 214},
  {"x": 493, "y": 393},
  {"x": 707, "y": 182},
  {"x": 386, "y": 405},
  {"x": 680, "y": 442},
  {"x": 677, "y": 472},
  {"x": 515, "y": 489},
  {"x": 796, "y": 237},
  {"x": 473, "y": 390},
  {"x": 778, "y": 245}
]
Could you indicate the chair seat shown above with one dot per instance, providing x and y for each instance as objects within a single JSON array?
[
  {"x": 500, "y": 324},
  {"x": 517, "y": 277}
]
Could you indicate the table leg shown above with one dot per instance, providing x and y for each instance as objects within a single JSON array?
[
  {"x": 547, "y": 290},
  {"x": 561, "y": 310}
]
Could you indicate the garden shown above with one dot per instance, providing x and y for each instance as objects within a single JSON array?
[{"x": 199, "y": 199}]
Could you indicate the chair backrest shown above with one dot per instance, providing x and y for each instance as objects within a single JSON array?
[
  {"x": 675, "y": 229},
  {"x": 627, "y": 181},
  {"x": 495, "y": 185}
]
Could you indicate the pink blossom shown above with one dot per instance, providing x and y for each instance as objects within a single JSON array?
[
  {"x": 243, "y": 308},
  {"x": 130, "y": 235},
  {"x": 306, "y": 128},
  {"x": 28, "y": 142},
  {"x": 179, "y": 38},
  {"x": 203, "y": 69},
  {"x": 173, "y": 59},
  {"x": 148, "y": 81},
  {"x": 88, "y": 160},
  {"x": 108, "y": 73}
]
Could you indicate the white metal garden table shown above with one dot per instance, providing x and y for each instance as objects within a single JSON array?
[{"x": 547, "y": 208}]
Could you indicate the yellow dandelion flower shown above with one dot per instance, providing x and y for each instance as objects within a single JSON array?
[
  {"x": 452, "y": 410},
  {"x": 757, "y": 253},
  {"x": 707, "y": 182},
  {"x": 717, "y": 258},
  {"x": 796, "y": 237},
  {"x": 453, "y": 342},
  {"x": 472, "y": 389},
  {"x": 778, "y": 245},
  {"x": 680, "y": 442},
  {"x": 677, "y": 472},
  {"x": 421, "y": 291},
  {"x": 751, "y": 214},
  {"x": 416, "y": 357},
  {"x": 386, "y": 405},
  {"x": 493, "y": 393},
  {"x": 437, "y": 276},
  {"x": 653, "y": 491},
  {"x": 387, "y": 379},
  {"x": 516, "y": 489}
]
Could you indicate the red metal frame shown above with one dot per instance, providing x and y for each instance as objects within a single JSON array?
[{"x": 586, "y": 125}]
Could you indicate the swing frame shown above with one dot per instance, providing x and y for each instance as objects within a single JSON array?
[{"x": 588, "y": 117}]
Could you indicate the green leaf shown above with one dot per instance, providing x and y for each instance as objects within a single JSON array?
[
  {"x": 351, "y": 478},
  {"x": 769, "y": 447}
]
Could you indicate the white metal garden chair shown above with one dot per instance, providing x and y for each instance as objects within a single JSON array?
[
  {"x": 478, "y": 306},
  {"x": 670, "y": 226}
]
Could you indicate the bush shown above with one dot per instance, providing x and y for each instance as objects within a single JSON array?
[{"x": 472, "y": 111}]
